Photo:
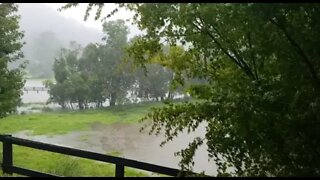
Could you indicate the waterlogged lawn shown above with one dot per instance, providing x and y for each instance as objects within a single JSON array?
[{"x": 51, "y": 123}]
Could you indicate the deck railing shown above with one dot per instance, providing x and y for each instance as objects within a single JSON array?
[{"x": 8, "y": 167}]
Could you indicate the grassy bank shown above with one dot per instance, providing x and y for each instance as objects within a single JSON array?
[{"x": 51, "y": 123}]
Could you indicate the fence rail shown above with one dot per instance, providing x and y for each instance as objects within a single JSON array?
[
  {"x": 8, "y": 167},
  {"x": 29, "y": 88}
]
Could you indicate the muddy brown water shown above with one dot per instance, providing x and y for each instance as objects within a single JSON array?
[{"x": 130, "y": 143}]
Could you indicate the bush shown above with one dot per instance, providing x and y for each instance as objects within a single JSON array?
[
  {"x": 23, "y": 112},
  {"x": 47, "y": 109},
  {"x": 68, "y": 167}
]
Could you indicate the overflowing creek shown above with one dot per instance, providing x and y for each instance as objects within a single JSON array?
[{"x": 125, "y": 139}]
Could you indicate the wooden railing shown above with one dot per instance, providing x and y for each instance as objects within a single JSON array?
[
  {"x": 28, "y": 88},
  {"x": 7, "y": 161}
]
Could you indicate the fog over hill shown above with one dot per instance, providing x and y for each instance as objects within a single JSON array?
[{"x": 46, "y": 31}]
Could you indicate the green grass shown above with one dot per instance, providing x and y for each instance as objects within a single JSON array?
[
  {"x": 63, "y": 165},
  {"x": 52, "y": 123},
  {"x": 69, "y": 166},
  {"x": 114, "y": 153}
]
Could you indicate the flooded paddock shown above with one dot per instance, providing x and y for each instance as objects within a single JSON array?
[{"x": 128, "y": 142}]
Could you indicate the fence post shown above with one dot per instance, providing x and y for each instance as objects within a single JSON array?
[
  {"x": 7, "y": 162},
  {"x": 119, "y": 170}
]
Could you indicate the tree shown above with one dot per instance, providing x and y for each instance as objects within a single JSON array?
[
  {"x": 90, "y": 66},
  {"x": 11, "y": 80},
  {"x": 153, "y": 82},
  {"x": 261, "y": 103},
  {"x": 96, "y": 73},
  {"x": 118, "y": 79},
  {"x": 71, "y": 86},
  {"x": 156, "y": 78}
]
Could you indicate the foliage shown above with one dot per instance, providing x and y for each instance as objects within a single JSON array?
[
  {"x": 11, "y": 80},
  {"x": 70, "y": 87},
  {"x": 153, "y": 82},
  {"x": 93, "y": 74},
  {"x": 261, "y": 101},
  {"x": 119, "y": 78},
  {"x": 103, "y": 72}
]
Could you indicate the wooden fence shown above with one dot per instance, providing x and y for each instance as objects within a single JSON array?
[
  {"x": 28, "y": 88},
  {"x": 7, "y": 161}
]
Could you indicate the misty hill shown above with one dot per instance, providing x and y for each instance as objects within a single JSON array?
[{"x": 46, "y": 31}]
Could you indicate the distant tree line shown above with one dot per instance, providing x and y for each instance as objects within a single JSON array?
[{"x": 88, "y": 77}]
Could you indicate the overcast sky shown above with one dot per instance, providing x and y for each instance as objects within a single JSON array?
[{"x": 77, "y": 13}]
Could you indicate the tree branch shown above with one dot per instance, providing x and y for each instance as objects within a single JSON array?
[
  {"x": 253, "y": 59},
  {"x": 305, "y": 59},
  {"x": 238, "y": 60}
]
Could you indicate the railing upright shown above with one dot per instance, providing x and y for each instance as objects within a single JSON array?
[
  {"x": 119, "y": 170},
  {"x": 7, "y": 160}
]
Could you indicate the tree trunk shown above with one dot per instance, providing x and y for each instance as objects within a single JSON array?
[
  {"x": 80, "y": 104},
  {"x": 113, "y": 99},
  {"x": 169, "y": 95},
  {"x": 63, "y": 105}
]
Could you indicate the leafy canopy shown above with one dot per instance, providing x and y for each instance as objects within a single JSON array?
[
  {"x": 260, "y": 102},
  {"x": 11, "y": 80}
]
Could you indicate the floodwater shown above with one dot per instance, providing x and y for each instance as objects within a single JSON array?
[
  {"x": 126, "y": 139},
  {"x": 35, "y": 100},
  {"x": 130, "y": 143}
]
